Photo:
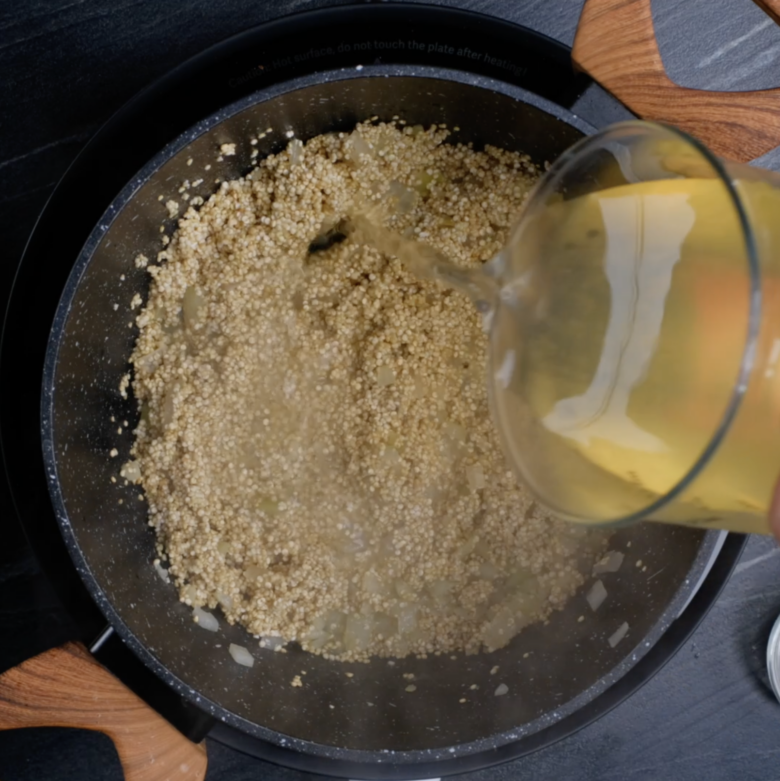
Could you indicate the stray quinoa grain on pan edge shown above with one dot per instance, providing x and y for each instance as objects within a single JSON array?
[{"x": 315, "y": 440}]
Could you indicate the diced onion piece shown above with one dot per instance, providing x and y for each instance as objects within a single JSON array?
[
  {"x": 500, "y": 630},
  {"x": 223, "y": 547},
  {"x": 596, "y": 595},
  {"x": 423, "y": 182},
  {"x": 619, "y": 634},
  {"x": 224, "y": 600},
  {"x": 335, "y": 623},
  {"x": 241, "y": 655},
  {"x": 475, "y": 476},
  {"x": 385, "y": 376},
  {"x": 528, "y": 604},
  {"x": 316, "y": 630},
  {"x": 253, "y": 572},
  {"x": 357, "y": 634},
  {"x": 384, "y": 625},
  {"x": 273, "y": 642},
  {"x": 390, "y": 457},
  {"x": 501, "y": 689},
  {"x": 131, "y": 471},
  {"x": 190, "y": 594},
  {"x": 372, "y": 583},
  {"x": 296, "y": 151},
  {"x": 611, "y": 562},
  {"x": 358, "y": 146},
  {"x": 205, "y": 620},
  {"x": 407, "y": 619},
  {"x": 329, "y": 221},
  {"x": 162, "y": 572},
  {"x": 404, "y": 197}
]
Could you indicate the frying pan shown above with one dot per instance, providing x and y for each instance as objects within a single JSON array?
[{"x": 365, "y": 726}]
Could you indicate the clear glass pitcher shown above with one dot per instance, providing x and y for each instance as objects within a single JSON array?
[{"x": 634, "y": 321}]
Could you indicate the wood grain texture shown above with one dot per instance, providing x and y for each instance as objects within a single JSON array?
[
  {"x": 616, "y": 44},
  {"x": 66, "y": 687},
  {"x": 771, "y": 7}
]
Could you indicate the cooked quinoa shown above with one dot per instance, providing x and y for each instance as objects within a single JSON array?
[{"x": 315, "y": 441}]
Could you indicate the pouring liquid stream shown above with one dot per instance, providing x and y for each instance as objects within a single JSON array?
[{"x": 427, "y": 263}]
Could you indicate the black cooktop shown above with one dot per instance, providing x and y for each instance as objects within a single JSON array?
[{"x": 97, "y": 56}]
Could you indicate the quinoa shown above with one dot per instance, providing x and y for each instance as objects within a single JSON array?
[{"x": 315, "y": 441}]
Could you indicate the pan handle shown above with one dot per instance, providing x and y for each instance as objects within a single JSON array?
[
  {"x": 771, "y": 7},
  {"x": 616, "y": 45},
  {"x": 66, "y": 687}
]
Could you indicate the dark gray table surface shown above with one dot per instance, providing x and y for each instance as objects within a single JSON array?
[{"x": 65, "y": 65}]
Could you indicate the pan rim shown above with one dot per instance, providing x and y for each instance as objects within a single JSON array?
[{"x": 386, "y": 760}]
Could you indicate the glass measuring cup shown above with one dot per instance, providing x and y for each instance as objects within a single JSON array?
[{"x": 635, "y": 334}]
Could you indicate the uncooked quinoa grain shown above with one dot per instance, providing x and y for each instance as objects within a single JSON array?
[{"x": 315, "y": 441}]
